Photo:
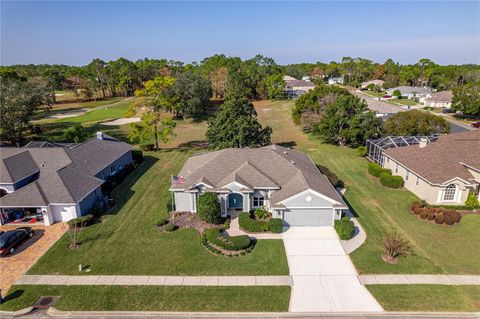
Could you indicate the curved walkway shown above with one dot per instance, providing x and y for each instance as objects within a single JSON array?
[{"x": 358, "y": 238}]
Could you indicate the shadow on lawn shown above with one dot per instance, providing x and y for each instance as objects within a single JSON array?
[
  {"x": 123, "y": 191},
  {"x": 13, "y": 295}
]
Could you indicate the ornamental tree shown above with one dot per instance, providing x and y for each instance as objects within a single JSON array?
[{"x": 208, "y": 208}]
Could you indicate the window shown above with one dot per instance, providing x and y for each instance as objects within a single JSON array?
[
  {"x": 112, "y": 169},
  {"x": 258, "y": 201},
  {"x": 418, "y": 179},
  {"x": 449, "y": 193},
  {"x": 406, "y": 175},
  {"x": 396, "y": 168}
]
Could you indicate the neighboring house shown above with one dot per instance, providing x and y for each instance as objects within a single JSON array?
[
  {"x": 57, "y": 182},
  {"x": 441, "y": 99},
  {"x": 374, "y": 82},
  {"x": 336, "y": 80},
  {"x": 287, "y": 78},
  {"x": 443, "y": 172},
  {"x": 296, "y": 88},
  {"x": 411, "y": 92},
  {"x": 286, "y": 182},
  {"x": 306, "y": 78}
]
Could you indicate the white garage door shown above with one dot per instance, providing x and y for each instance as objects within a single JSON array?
[{"x": 308, "y": 217}]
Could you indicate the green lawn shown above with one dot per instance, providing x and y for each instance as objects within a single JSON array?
[
  {"x": 427, "y": 297},
  {"x": 406, "y": 102},
  {"x": 109, "y": 112},
  {"x": 437, "y": 249},
  {"x": 154, "y": 298},
  {"x": 126, "y": 242},
  {"x": 374, "y": 94}
]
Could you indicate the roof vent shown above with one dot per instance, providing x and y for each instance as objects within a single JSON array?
[
  {"x": 293, "y": 162},
  {"x": 100, "y": 135},
  {"x": 43, "y": 164},
  {"x": 423, "y": 142},
  {"x": 285, "y": 152}
]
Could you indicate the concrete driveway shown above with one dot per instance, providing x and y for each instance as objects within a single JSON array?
[{"x": 324, "y": 278}]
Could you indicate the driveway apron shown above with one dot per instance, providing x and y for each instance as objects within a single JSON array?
[{"x": 324, "y": 278}]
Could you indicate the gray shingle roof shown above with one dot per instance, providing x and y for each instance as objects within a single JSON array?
[
  {"x": 66, "y": 175},
  {"x": 411, "y": 89},
  {"x": 272, "y": 166}
]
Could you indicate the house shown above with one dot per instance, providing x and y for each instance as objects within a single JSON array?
[
  {"x": 379, "y": 83},
  {"x": 57, "y": 182},
  {"x": 306, "y": 78},
  {"x": 411, "y": 92},
  {"x": 297, "y": 88},
  {"x": 285, "y": 182},
  {"x": 441, "y": 173},
  {"x": 335, "y": 80},
  {"x": 441, "y": 99},
  {"x": 287, "y": 78}
]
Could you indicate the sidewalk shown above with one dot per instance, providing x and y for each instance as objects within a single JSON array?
[
  {"x": 156, "y": 280},
  {"x": 419, "y": 279},
  {"x": 358, "y": 238}
]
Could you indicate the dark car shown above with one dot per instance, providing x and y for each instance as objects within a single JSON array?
[
  {"x": 476, "y": 124},
  {"x": 11, "y": 239},
  {"x": 447, "y": 111}
]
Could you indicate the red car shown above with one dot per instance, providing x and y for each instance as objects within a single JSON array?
[{"x": 476, "y": 124}]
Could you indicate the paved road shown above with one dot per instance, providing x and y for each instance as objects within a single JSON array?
[{"x": 324, "y": 278}]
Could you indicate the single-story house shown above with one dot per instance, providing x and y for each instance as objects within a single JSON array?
[
  {"x": 335, "y": 80},
  {"x": 287, "y": 78},
  {"x": 379, "y": 83},
  {"x": 284, "y": 181},
  {"x": 441, "y": 99},
  {"x": 296, "y": 88},
  {"x": 411, "y": 92},
  {"x": 57, "y": 182},
  {"x": 441, "y": 173}
]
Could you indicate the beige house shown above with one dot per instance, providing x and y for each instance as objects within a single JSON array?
[
  {"x": 374, "y": 82},
  {"x": 441, "y": 173},
  {"x": 441, "y": 99}
]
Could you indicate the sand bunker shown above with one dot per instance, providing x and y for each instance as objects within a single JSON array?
[{"x": 122, "y": 121}]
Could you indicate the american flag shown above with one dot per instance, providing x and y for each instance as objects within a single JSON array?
[{"x": 178, "y": 180}]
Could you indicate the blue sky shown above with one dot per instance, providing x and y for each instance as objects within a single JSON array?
[{"x": 290, "y": 32}]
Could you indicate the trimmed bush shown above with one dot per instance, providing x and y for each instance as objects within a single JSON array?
[
  {"x": 430, "y": 215},
  {"x": 170, "y": 227},
  {"x": 376, "y": 170},
  {"x": 162, "y": 221},
  {"x": 262, "y": 213},
  {"x": 391, "y": 181},
  {"x": 80, "y": 221},
  {"x": 423, "y": 214},
  {"x": 137, "y": 157},
  {"x": 233, "y": 243},
  {"x": 439, "y": 219},
  {"x": 345, "y": 228},
  {"x": 252, "y": 225},
  {"x": 332, "y": 177},
  {"x": 361, "y": 151},
  {"x": 276, "y": 225},
  {"x": 472, "y": 201},
  {"x": 208, "y": 207},
  {"x": 453, "y": 215},
  {"x": 448, "y": 219}
]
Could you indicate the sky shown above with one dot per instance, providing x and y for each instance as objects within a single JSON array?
[{"x": 74, "y": 33}]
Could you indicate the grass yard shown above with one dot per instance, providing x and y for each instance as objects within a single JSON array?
[
  {"x": 406, "y": 102},
  {"x": 126, "y": 242},
  {"x": 437, "y": 249},
  {"x": 374, "y": 94},
  {"x": 154, "y": 298},
  {"x": 427, "y": 297}
]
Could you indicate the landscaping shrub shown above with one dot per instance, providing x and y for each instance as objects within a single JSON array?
[
  {"x": 209, "y": 209},
  {"x": 147, "y": 147},
  {"x": 430, "y": 215},
  {"x": 362, "y": 151},
  {"x": 170, "y": 227},
  {"x": 137, "y": 157},
  {"x": 80, "y": 221},
  {"x": 162, "y": 221},
  {"x": 472, "y": 201},
  {"x": 233, "y": 243},
  {"x": 345, "y": 228},
  {"x": 453, "y": 215},
  {"x": 391, "y": 181},
  {"x": 423, "y": 214},
  {"x": 448, "y": 219},
  {"x": 332, "y": 177},
  {"x": 394, "y": 246},
  {"x": 376, "y": 170},
  {"x": 96, "y": 210},
  {"x": 276, "y": 225},
  {"x": 252, "y": 225},
  {"x": 439, "y": 219},
  {"x": 417, "y": 210},
  {"x": 262, "y": 213}
]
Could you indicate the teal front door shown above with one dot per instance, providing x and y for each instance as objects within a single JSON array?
[{"x": 235, "y": 201}]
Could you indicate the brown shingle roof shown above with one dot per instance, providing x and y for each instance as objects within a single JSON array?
[
  {"x": 271, "y": 166},
  {"x": 440, "y": 162},
  {"x": 441, "y": 97}
]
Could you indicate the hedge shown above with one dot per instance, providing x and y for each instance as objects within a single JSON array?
[
  {"x": 375, "y": 170},
  {"x": 234, "y": 243},
  {"x": 252, "y": 225},
  {"x": 80, "y": 221},
  {"x": 209, "y": 209},
  {"x": 276, "y": 225},
  {"x": 345, "y": 228},
  {"x": 331, "y": 176},
  {"x": 362, "y": 151},
  {"x": 391, "y": 181}
]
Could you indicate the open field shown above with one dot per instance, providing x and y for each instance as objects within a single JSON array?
[
  {"x": 127, "y": 243},
  {"x": 154, "y": 298},
  {"x": 437, "y": 249},
  {"x": 427, "y": 297}
]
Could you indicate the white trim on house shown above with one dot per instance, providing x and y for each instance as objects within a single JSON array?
[{"x": 328, "y": 199}]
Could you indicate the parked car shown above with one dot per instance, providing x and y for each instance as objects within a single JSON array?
[
  {"x": 447, "y": 111},
  {"x": 11, "y": 239},
  {"x": 476, "y": 124}
]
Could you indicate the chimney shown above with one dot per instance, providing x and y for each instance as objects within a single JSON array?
[
  {"x": 100, "y": 135},
  {"x": 423, "y": 142}
]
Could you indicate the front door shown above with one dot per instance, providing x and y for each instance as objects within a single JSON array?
[{"x": 235, "y": 201}]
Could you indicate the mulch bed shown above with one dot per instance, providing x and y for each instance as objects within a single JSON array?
[{"x": 189, "y": 220}]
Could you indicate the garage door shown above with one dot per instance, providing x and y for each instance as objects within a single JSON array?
[{"x": 308, "y": 217}]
